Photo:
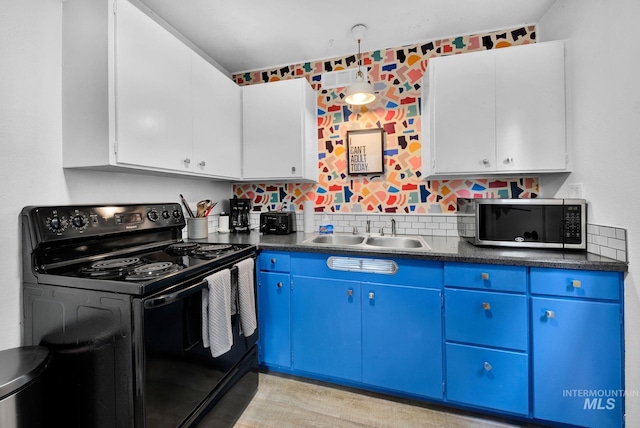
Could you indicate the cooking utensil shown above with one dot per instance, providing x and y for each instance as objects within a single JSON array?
[
  {"x": 204, "y": 207},
  {"x": 186, "y": 206},
  {"x": 208, "y": 211}
]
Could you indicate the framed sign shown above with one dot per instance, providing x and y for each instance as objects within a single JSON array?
[{"x": 365, "y": 151}]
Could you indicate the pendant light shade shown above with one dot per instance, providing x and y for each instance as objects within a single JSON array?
[{"x": 359, "y": 92}]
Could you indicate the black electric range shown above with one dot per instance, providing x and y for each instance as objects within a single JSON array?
[{"x": 118, "y": 297}]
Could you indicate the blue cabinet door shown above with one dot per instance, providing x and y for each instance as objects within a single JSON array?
[
  {"x": 492, "y": 378},
  {"x": 274, "y": 303},
  {"x": 402, "y": 339},
  {"x": 327, "y": 327},
  {"x": 577, "y": 358}
]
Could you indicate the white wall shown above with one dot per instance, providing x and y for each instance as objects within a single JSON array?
[
  {"x": 604, "y": 113},
  {"x": 31, "y": 146}
]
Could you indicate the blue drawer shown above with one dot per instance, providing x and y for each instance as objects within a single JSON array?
[
  {"x": 489, "y": 378},
  {"x": 576, "y": 283},
  {"x": 486, "y": 318},
  {"x": 417, "y": 273},
  {"x": 486, "y": 277},
  {"x": 275, "y": 261}
]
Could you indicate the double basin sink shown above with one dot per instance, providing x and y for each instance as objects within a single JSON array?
[{"x": 389, "y": 242}]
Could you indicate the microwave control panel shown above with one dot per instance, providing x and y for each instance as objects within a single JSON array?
[{"x": 572, "y": 224}]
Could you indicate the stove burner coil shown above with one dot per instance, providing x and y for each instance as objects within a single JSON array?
[
  {"x": 211, "y": 251},
  {"x": 110, "y": 268},
  {"x": 214, "y": 247},
  {"x": 182, "y": 248},
  {"x": 152, "y": 270}
]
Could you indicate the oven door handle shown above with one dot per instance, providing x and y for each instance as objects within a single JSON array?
[{"x": 169, "y": 298}]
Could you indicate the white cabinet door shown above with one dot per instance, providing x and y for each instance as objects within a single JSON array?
[
  {"x": 530, "y": 108},
  {"x": 464, "y": 114},
  {"x": 217, "y": 131},
  {"x": 279, "y": 134},
  {"x": 153, "y": 107},
  {"x": 495, "y": 112}
]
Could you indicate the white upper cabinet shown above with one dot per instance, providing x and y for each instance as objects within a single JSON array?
[
  {"x": 280, "y": 137},
  {"x": 135, "y": 96},
  {"x": 495, "y": 112},
  {"x": 217, "y": 122}
]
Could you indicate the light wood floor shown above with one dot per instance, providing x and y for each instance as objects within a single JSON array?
[{"x": 283, "y": 402}]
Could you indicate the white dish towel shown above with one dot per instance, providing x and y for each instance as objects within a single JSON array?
[
  {"x": 246, "y": 296},
  {"x": 216, "y": 313}
]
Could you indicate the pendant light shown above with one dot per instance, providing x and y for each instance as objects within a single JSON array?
[{"x": 359, "y": 92}]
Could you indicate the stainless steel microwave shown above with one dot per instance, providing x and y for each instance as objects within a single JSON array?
[{"x": 530, "y": 223}]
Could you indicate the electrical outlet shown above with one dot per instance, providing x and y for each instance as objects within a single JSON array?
[{"x": 576, "y": 191}]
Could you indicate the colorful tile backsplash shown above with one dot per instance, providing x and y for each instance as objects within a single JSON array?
[{"x": 396, "y": 74}]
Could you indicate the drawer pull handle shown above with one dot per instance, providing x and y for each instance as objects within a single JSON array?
[
  {"x": 484, "y": 276},
  {"x": 350, "y": 292},
  {"x": 486, "y": 306},
  {"x": 372, "y": 295},
  {"x": 576, "y": 283},
  {"x": 273, "y": 261},
  {"x": 549, "y": 314},
  {"x": 487, "y": 366},
  {"x": 279, "y": 284}
]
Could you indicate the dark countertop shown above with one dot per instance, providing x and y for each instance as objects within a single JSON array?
[{"x": 442, "y": 249}]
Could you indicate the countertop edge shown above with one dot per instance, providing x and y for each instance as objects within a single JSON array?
[{"x": 443, "y": 249}]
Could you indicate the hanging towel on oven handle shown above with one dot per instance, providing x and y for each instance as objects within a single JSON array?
[
  {"x": 247, "y": 296},
  {"x": 216, "y": 313}
]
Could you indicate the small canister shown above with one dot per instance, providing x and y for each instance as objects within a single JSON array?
[{"x": 223, "y": 223}]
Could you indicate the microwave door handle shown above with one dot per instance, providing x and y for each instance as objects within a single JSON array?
[{"x": 169, "y": 298}]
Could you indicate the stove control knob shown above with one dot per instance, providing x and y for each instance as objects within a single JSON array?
[
  {"x": 153, "y": 215},
  {"x": 166, "y": 215},
  {"x": 79, "y": 221},
  {"x": 56, "y": 224},
  {"x": 176, "y": 213}
]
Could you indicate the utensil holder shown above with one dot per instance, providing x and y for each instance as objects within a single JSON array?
[{"x": 198, "y": 227}]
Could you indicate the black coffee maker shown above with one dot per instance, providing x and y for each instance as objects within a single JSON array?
[{"x": 239, "y": 217}]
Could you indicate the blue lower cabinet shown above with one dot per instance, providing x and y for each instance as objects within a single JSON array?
[
  {"x": 402, "y": 339},
  {"x": 327, "y": 328},
  {"x": 487, "y": 318},
  {"x": 490, "y": 378},
  {"x": 577, "y": 362},
  {"x": 274, "y": 309}
]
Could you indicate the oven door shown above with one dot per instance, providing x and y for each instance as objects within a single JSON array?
[{"x": 177, "y": 377}]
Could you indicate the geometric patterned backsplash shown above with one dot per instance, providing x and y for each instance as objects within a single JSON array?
[{"x": 396, "y": 74}]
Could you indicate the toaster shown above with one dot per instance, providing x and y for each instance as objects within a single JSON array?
[{"x": 278, "y": 222}]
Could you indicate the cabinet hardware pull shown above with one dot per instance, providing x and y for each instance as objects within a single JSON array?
[
  {"x": 279, "y": 285},
  {"x": 371, "y": 295},
  {"x": 486, "y": 306},
  {"x": 576, "y": 283},
  {"x": 350, "y": 292},
  {"x": 484, "y": 276},
  {"x": 202, "y": 164},
  {"x": 273, "y": 261},
  {"x": 487, "y": 366},
  {"x": 485, "y": 162},
  {"x": 187, "y": 161},
  {"x": 508, "y": 160},
  {"x": 549, "y": 314}
]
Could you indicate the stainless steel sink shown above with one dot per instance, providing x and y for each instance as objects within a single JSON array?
[
  {"x": 336, "y": 239},
  {"x": 401, "y": 242},
  {"x": 371, "y": 242}
]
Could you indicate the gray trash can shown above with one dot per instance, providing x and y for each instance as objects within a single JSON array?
[{"x": 22, "y": 386}]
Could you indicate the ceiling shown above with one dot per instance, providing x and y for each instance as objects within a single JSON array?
[{"x": 254, "y": 34}]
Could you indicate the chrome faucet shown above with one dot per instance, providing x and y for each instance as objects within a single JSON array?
[
  {"x": 368, "y": 226},
  {"x": 355, "y": 230},
  {"x": 393, "y": 227}
]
